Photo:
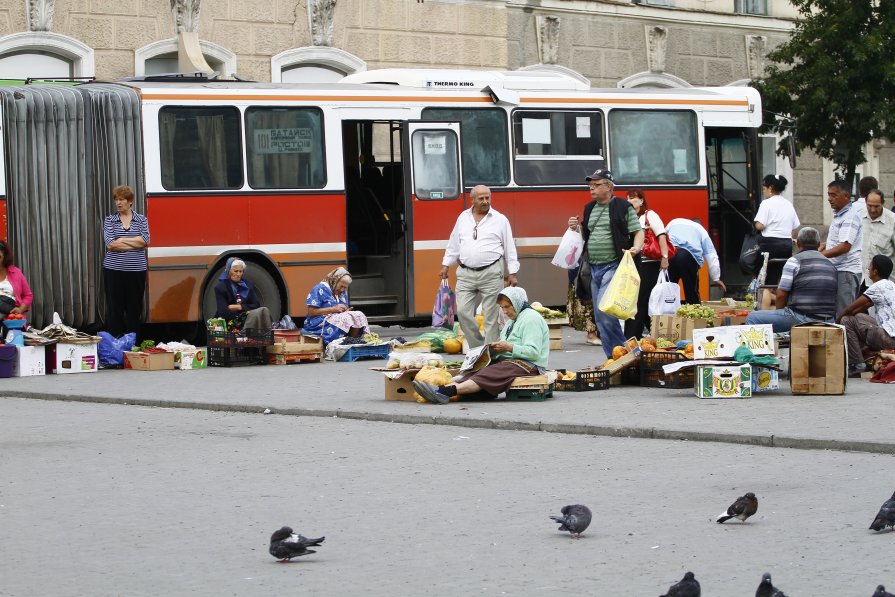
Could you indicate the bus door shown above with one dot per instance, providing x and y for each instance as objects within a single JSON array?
[
  {"x": 4, "y": 229},
  {"x": 434, "y": 197}
]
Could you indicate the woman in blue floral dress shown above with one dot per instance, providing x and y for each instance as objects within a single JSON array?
[{"x": 329, "y": 315}]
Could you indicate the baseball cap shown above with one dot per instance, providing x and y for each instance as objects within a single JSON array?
[{"x": 601, "y": 175}]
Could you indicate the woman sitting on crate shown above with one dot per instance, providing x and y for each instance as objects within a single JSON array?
[
  {"x": 329, "y": 316},
  {"x": 237, "y": 301},
  {"x": 521, "y": 351},
  {"x": 15, "y": 294}
]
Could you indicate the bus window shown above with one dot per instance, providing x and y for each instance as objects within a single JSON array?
[
  {"x": 556, "y": 147},
  {"x": 486, "y": 154},
  {"x": 200, "y": 148},
  {"x": 285, "y": 148},
  {"x": 436, "y": 173},
  {"x": 654, "y": 146}
]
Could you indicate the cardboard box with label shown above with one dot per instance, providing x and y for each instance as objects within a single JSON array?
[
  {"x": 724, "y": 381},
  {"x": 719, "y": 343},
  {"x": 149, "y": 361},
  {"x": 186, "y": 360},
  {"x": 31, "y": 360},
  {"x": 818, "y": 359},
  {"x": 72, "y": 357},
  {"x": 674, "y": 328},
  {"x": 764, "y": 379}
]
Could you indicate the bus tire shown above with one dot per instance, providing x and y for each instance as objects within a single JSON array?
[{"x": 265, "y": 287}]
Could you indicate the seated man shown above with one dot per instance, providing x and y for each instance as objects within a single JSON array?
[
  {"x": 807, "y": 288},
  {"x": 863, "y": 330},
  {"x": 522, "y": 350}
]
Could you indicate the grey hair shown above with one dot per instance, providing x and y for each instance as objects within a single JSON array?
[
  {"x": 347, "y": 279},
  {"x": 238, "y": 262},
  {"x": 808, "y": 238}
]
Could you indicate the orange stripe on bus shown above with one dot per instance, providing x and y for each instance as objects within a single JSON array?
[
  {"x": 313, "y": 98},
  {"x": 586, "y": 100}
]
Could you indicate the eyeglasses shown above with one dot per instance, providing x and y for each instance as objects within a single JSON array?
[
  {"x": 600, "y": 184},
  {"x": 475, "y": 232}
]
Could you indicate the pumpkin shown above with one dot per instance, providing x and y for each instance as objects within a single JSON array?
[
  {"x": 452, "y": 346},
  {"x": 618, "y": 352}
]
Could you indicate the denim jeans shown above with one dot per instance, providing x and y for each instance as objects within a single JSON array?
[
  {"x": 610, "y": 327},
  {"x": 782, "y": 319}
]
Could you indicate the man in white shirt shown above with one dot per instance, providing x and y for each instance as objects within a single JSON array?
[
  {"x": 844, "y": 240},
  {"x": 694, "y": 247},
  {"x": 879, "y": 231},
  {"x": 481, "y": 243},
  {"x": 863, "y": 330}
]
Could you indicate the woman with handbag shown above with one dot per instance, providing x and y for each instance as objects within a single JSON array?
[
  {"x": 776, "y": 220},
  {"x": 15, "y": 294},
  {"x": 657, "y": 249}
]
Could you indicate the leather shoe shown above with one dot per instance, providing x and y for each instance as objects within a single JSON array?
[
  {"x": 596, "y": 342},
  {"x": 430, "y": 392}
]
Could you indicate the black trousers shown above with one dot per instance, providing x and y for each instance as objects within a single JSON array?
[
  {"x": 683, "y": 267},
  {"x": 777, "y": 248},
  {"x": 649, "y": 275},
  {"x": 124, "y": 301}
]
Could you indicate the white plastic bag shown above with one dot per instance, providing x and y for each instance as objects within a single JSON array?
[
  {"x": 569, "y": 252},
  {"x": 665, "y": 298}
]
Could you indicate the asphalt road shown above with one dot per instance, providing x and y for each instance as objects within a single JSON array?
[{"x": 99, "y": 499}]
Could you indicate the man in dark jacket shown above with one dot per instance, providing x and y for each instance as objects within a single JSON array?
[{"x": 610, "y": 227}]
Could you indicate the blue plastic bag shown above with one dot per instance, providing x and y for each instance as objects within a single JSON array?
[
  {"x": 445, "y": 307},
  {"x": 111, "y": 349}
]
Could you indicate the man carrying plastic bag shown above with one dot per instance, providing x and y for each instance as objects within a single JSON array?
[{"x": 611, "y": 230}]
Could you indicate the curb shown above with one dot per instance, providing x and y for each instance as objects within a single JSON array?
[{"x": 768, "y": 441}]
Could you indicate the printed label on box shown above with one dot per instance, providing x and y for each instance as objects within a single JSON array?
[
  {"x": 713, "y": 343},
  {"x": 722, "y": 381}
]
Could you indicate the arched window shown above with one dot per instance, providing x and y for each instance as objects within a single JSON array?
[
  {"x": 44, "y": 54},
  {"x": 160, "y": 57},
  {"x": 650, "y": 79},
  {"x": 315, "y": 64},
  {"x": 555, "y": 68}
]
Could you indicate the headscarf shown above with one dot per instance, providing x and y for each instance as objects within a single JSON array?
[
  {"x": 518, "y": 297},
  {"x": 333, "y": 277},
  {"x": 241, "y": 288}
]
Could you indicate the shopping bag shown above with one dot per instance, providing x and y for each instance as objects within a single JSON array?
[
  {"x": 583, "y": 278},
  {"x": 750, "y": 254},
  {"x": 569, "y": 252},
  {"x": 665, "y": 298},
  {"x": 445, "y": 306},
  {"x": 110, "y": 349},
  {"x": 620, "y": 299}
]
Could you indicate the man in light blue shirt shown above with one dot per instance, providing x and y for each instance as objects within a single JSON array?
[
  {"x": 694, "y": 247},
  {"x": 843, "y": 246}
]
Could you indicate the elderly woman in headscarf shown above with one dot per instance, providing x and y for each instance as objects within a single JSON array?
[
  {"x": 522, "y": 350},
  {"x": 237, "y": 301},
  {"x": 329, "y": 316}
]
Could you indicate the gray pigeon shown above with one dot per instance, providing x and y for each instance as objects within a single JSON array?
[
  {"x": 575, "y": 519},
  {"x": 767, "y": 588},
  {"x": 285, "y": 545},
  {"x": 687, "y": 587},
  {"x": 882, "y": 592},
  {"x": 742, "y": 508},
  {"x": 886, "y": 515}
]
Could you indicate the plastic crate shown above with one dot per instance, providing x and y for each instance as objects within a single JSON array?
[
  {"x": 355, "y": 353},
  {"x": 248, "y": 337},
  {"x": 652, "y": 375},
  {"x": 224, "y": 356},
  {"x": 585, "y": 381},
  {"x": 538, "y": 394}
]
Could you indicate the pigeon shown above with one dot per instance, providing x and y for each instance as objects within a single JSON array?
[
  {"x": 886, "y": 515},
  {"x": 687, "y": 587},
  {"x": 767, "y": 588},
  {"x": 882, "y": 592},
  {"x": 285, "y": 545},
  {"x": 575, "y": 519},
  {"x": 743, "y": 508}
]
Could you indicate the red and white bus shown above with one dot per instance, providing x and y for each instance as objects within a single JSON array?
[{"x": 370, "y": 172}]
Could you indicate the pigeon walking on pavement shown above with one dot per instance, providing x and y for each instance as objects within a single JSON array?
[
  {"x": 743, "y": 508},
  {"x": 686, "y": 587},
  {"x": 285, "y": 545},
  {"x": 575, "y": 519},
  {"x": 886, "y": 515},
  {"x": 882, "y": 592},
  {"x": 767, "y": 588}
]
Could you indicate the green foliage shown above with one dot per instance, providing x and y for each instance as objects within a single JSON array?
[{"x": 832, "y": 77}]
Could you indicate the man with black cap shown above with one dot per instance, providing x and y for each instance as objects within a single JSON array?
[{"x": 610, "y": 227}]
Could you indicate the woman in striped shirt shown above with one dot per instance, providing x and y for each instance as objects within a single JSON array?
[{"x": 126, "y": 236}]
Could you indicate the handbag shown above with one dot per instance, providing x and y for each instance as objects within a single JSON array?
[
  {"x": 583, "y": 279},
  {"x": 665, "y": 298},
  {"x": 750, "y": 253},
  {"x": 651, "y": 247},
  {"x": 7, "y": 304},
  {"x": 445, "y": 306},
  {"x": 569, "y": 252}
]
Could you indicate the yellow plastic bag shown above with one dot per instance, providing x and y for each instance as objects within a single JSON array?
[
  {"x": 438, "y": 376},
  {"x": 620, "y": 299}
]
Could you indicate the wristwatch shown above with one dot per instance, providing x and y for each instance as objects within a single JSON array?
[{"x": 664, "y": 256}]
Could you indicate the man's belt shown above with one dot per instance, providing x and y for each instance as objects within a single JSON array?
[{"x": 478, "y": 269}]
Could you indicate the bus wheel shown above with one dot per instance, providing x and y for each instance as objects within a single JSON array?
[{"x": 265, "y": 286}]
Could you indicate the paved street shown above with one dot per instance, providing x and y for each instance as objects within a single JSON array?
[{"x": 128, "y": 500}]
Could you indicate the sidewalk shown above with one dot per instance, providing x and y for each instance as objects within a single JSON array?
[{"x": 857, "y": 421}]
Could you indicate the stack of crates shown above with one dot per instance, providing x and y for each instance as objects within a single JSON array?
[{"x": 652, "y": 375}]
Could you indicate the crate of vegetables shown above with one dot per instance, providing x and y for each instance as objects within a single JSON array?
[
  {"x": 585, "y": 380},
  {"x": 243, "y": 338},
  {"x": 147, "y": 357},
  {"x": 652, "y": 375}
]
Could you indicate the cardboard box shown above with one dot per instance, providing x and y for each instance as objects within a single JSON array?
[
  {"x": 764, "y": 379},
  {"x": 186, "y": 360},
  {"x": 724, "y": 381},
  {"x": 149, "y": 361},
  {"x": 72, "y": 357},
  {"x": 715, "y": 343},
  {"x": 722, "y": 305},
  {"x": 555, "y": 344},
  {"x": 673, "y": 328},
  {"x": 398, "y": 383},
  {"x": 630, "y": 358},
  {"x": 721, "y": 321},
  {"x": 31, "y": 360},
  {"x": 818, "y": 359}
]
